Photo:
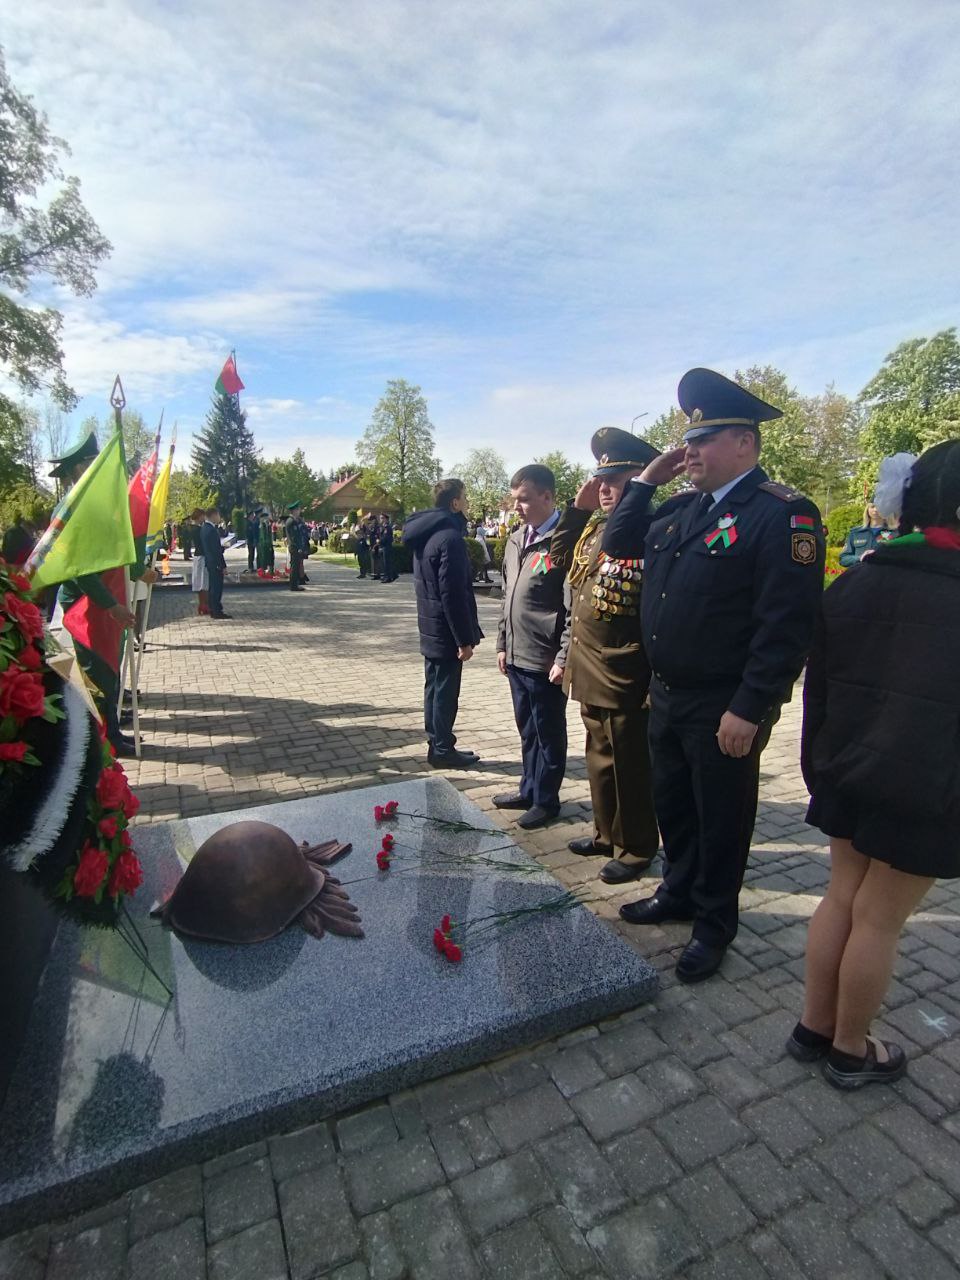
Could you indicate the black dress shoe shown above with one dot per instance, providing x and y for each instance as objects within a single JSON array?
[
  {"x": 536, "y": 816},
  {"x": 298, "y": 588},
  {"x": 218, "y": 617},
  {"x": 433, "y": 755},
  {"x": 650, "y": 911},
  {"x": 510, "y": 800},
  {"x": 587, "y": 847},
  {"x": 699, "y": 960},
  {"x": 453, "y": 760},
  {"x": 619, "y": 872}
]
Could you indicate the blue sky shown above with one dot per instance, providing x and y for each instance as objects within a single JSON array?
[{"x": 541, "y": 213}]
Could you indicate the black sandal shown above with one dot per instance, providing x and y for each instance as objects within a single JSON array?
[
  {"x": 845, "y": 1071},
  {"x": 806, "y": 1045}
]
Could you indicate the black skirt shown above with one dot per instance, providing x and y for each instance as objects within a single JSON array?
[{"x": 912, "y": 843}]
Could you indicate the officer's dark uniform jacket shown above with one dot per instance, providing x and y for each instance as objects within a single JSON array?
[
  {"x": 606, "y": 664},
  {"x": 729, "y": 596},
  {"x": 861, "y": 540}
]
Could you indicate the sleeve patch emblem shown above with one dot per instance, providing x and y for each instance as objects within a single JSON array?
[{"x": 803, "y": 548}]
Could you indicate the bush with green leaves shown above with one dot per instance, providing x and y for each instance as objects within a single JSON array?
[
  {"x": 238, "y": 522},
  {"x": 840, "y": 520}
]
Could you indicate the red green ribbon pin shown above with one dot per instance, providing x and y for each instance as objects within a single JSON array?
[
  {"x": 541, "y": 562},
  {"x": 724, "y": 532}
]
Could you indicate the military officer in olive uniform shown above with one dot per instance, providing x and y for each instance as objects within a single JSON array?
[
  {"x": 733, "y": 577},
  {"x": 607, "y": 671}
]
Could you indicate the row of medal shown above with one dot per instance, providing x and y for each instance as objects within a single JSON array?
[{"x": 614, "y": 593}]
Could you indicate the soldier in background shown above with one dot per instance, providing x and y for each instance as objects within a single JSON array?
[
  {"x": 607, "y": 670},
  {"x": 295, "y": 546},
  {"x": 253, "y": 538}
]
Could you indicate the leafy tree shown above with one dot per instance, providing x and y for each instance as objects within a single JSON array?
[
  {"x": 225, "y": 453},
  {"x": 396, "y": 451},
  {"x": 59, "y": 241},
  {"x": 788, "y": 448},
  {"x": 912, "y": 402},
  {"x": 485, "y": 474},
  {"x": 138, "y": 438},
  {"x": 345, "y": 472},
  {"x": 568, "y": 475},
  {"x": 16, "y": 428},
  {"x": 834, "y": 423},
  {"x": 30, "y": 501},
  {"x": 286, "y": 480},
  {"x": 664, "y": 433},
  {"x": 188, "y": 490}
]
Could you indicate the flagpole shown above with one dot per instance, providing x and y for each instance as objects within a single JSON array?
[
  {"x": 118, "y": 400},
  {"x": 153, "y": 560}
]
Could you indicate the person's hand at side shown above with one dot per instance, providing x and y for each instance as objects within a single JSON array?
[
  {"x": 120, "y": 613},
  {"x": 735, "y": 736},
  {"x": 465, "y": 652},
  {"x": 502, "y": 663},
  {"x": 556, "y": 674}
]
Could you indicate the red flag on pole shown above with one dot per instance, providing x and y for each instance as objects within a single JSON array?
[{"x": 228, "y": 384}]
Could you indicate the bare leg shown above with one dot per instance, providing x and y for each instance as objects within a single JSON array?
[
  {"x": 827, "y": 936},
  {"x": 883, "y": 902}
]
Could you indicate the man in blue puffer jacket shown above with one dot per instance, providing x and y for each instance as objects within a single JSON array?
[{"x": 446, "y": 615}]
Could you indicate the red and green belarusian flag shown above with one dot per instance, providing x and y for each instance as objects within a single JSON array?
[
  {"x": 90, "y": 529},
  {"x": 228, "y": 384}
]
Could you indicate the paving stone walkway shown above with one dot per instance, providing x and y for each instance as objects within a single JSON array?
[{"x": 674, "y": 1140}]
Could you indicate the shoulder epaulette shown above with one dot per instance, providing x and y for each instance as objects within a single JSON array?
[{"x": 781, "y": 491}]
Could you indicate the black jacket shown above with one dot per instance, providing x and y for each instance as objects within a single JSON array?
[
  {"x": 210, "y": 548},
  {"x": 727, "y": 612},
  {"x": 443, "y": 577},
  {"x": 881, "y": 700}
]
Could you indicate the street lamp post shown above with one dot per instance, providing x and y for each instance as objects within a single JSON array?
[{"x": 637, "y": 419}]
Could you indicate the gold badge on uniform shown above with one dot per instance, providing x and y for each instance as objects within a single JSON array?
[{"x": 803, "y": 548}]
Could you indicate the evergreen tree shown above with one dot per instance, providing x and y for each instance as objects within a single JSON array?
[
  {"x": 226, "y": 455},
  {"x": 396, "y": 450}
]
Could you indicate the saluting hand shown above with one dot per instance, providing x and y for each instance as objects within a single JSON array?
[
  {"x": 588, "y": 495},
  {"x": 735, "y": 736},
  {"x": 665, "y": 468}
]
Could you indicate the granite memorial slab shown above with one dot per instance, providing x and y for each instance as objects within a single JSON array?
[{"x": 119, "y": 1082}]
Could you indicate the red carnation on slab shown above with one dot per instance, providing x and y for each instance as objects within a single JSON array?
[
  {"x": 452, "y": 951},
  {"x": 439, "y": 941},
  {"x": 445, "y": 925},
  {"x": 389, "y": 841},
  {"x": 391, "y": 807},
  {"x": 378, "y": 813},
  {"x": 383, "y": 861}
]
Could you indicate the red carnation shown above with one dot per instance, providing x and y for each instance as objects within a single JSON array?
[
  {"x": 445, "y": 924},
  {"x": 29, "y": 658},
  {"x": 130, "y": 804},
  {"x": 125, "y": 839},
  {"x": 12, "y": 750},
  {"x": 383, "y": 862},
  {"x": 390, "y": 808},
  {"x": 19, "y": 582},
  {"x": 26, "y": 615},
  {"x": 108, "y": 827},
  {"x": 127, "y": 874},
  {"x": 378, "y": 812},
  {"x": 112, "y": 789},
  {"x": 452, "y": 951},
  {"x": 388, "y": 841},
  {"x": 21, "y": 694},
  {"x": 88, "y": 877},
  {"x": 439, "y": 941}
]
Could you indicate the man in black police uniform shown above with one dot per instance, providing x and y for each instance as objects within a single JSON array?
[
  {"x": 295, "y": 546},
  {"x": 733, "y": 573},
  {"x": 253, "y": 538}
]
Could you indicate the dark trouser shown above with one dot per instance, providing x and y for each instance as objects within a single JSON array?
[
  {"x": 441, "y": 694},
  {"x": 706, "y": 805},
  {"x": 296, "y": 569},
  {"x": 377, "y": 564},
  {"x": 540, "y": 710},
  {"x": 363, "y": 560},
  {"x": 618, "y": 767},
  {"x": 251, "y": 552},
  {"x": 216, "y": 590},
  {"x": 388, "y": 564}
]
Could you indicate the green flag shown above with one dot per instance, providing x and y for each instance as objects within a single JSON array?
[{"x": 90, "y": 530}]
